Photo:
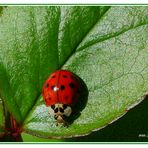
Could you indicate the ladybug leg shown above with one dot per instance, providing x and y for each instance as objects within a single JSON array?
[
  {"x": 73, "y": 110},
  {"x": 66, "y": 124}
]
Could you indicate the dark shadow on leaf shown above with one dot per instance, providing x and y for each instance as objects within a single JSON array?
[
  {"x": 80, "y": 105},
  {"x": 132, "y": 127}
]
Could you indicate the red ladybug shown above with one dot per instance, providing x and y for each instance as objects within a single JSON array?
[{"x": 61, "y": 93}]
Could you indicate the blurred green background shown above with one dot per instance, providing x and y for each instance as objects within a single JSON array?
[{"x": 132, "y": 127}]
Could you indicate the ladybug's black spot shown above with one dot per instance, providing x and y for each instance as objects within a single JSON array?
[
  {"x": 71, "y": 85},
  {"x": 49, "y": 98},
  {"x": 66, "y": 97},
  {"x": 53, "y": 107},
  {"x": 64, "y": 76},
  {"x": 46, "y": 85},
  {"x": 62, "y": 87},
  {"x": 64, "y": 106},
  {"x": 52, "y": 87},
  {"x": 53, "y": 76},
  {"x": 61, "y": 110},
  {"x": 56, "y": 110}
]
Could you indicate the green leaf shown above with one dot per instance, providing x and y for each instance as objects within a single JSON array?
[
  {"x": 1, "y": 8},
  {"x": 2, "y": 118},
  {"x": 30, "y": 43},
  {"x": 105, "y": 46},
  {"x": 23, "y": 51},
  {"x": 30, "y": 138}
]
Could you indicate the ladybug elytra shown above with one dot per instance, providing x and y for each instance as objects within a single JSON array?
[{"x": 61, "y": 92}]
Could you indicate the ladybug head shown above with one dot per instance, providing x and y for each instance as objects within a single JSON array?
[{"x": 60, "y": 112}]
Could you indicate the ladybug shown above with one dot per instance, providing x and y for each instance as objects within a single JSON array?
[{"x": 61, "y": 91}]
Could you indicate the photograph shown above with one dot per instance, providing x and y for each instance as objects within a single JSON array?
[{"x": 73, "y": 73}]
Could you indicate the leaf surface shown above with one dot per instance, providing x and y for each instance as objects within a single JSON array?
[
  {"x": 105, "y": 46},
  {"x": 2, "y": 119}
]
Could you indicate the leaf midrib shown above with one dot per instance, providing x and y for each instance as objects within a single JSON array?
[
  {"x": 106, "y": 37},
  {"x": 73, "y": 51},
  {"x": 76, "y": 47}
]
